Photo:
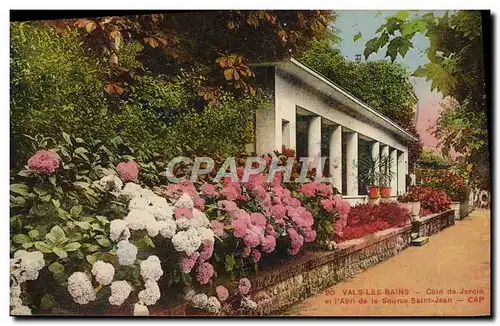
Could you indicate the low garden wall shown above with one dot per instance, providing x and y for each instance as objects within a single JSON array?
[
  {"x": 433, "y": 223},
  {"x": 313, "y": 272},
  {"x": 461, "y": 209}
]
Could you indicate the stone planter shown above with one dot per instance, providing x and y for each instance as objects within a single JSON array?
[
  {"x": 415, "y": 208},
  {"x": 455, "y": 206}
]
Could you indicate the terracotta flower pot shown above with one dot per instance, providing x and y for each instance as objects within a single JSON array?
[
  {"x": 385, "y": 192},
  {"x": 373, "y": 192}
]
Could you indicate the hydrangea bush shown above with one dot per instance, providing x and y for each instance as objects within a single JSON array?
[{"x": 90, "y": 229}]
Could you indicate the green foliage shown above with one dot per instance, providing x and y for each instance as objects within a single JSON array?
[
  {"x": 456, "y": 69},
  {"x": 383, "y": 85},
  {"x": 430, "y": 159},
  {"x": 56, "y": 88}
]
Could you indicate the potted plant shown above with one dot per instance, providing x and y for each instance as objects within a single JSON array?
[
  {"x": 413, "y": 199},
  {"x": 369, "y": 174},
  {"x": 386, "y": 175}
]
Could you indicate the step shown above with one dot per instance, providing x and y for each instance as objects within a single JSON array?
[
  {"x": 414, "y": 235},
  {"x": 420, "y": 241}
]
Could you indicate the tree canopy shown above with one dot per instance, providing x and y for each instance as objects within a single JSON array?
[
  {"x": 456, "y": 69},
  {"x": 383, "y": 85},
  {"x": 217, "y": 43}
]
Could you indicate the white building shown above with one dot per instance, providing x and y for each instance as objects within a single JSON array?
[{"x": 314, "y": 116}]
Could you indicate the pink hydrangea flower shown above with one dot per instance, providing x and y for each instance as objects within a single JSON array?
[
  {"x": 296, "y": 241},
  {"x": 128, "y": 171},
  {"x": 222, "y": 293},
  {"x": 240, "y": 227},
  {"x": 244, "y": 286},
  {"x": 270, "y": 230},
  {"x": 258, "y": 219},
  {"x": 207, "y": 251},
  {"x": 251, "y": 238},
  {"x": 208, "y": 189},
  {"x": 308, "y": 189},
  {"x": 227, "y": 205},
  {"x": 183, "y": 212},
  {"x": 204, "y": 273},
  {"x": 310, "y": 236},
  {"x": 188, "y": 187},
  {"x": 324, "y": 189},
  {"x": 278, "y": 211},
  {"x": 327, "y": 205},
  {"x": 187, "y": 262},
  {"x": 217, "y": 227},
  {"x": 44, "y": 162},
  {"x": 256, "y": 255},
  {"x": 268, "y": 243},
  {"x": 199, "y": 203},
  {"x": 172, "y": 190},
  {"x": 230, "y": 193}
]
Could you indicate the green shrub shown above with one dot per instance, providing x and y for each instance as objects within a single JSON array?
[{"x": 56, "y": 87}]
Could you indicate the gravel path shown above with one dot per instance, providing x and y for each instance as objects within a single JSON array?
[{"x": 420, "y": 280}]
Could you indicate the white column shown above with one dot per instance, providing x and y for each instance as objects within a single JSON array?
[
  {"x": 314, "y": 140},
  {"x": 265, "y": 130},
  {"x": 401, "y": 174},
  {"x": 336, "y": 157},
  {"x": 394, "y": 170},
  {"x": 376, "y": 154},
  {"x": 352, "y": 164},
  {"x": 285, "y": 133}
]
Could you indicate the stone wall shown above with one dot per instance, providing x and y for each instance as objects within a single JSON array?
[
  {"x": 313, "y": 272},
  {"x": 432, "y": 224},
  {"x": 316, "y": 271}
]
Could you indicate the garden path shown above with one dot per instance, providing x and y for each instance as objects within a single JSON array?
[{"x": 457, "y": 258}]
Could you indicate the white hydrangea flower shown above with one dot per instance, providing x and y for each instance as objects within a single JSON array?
[
  {"x": 160, "y": 208},
  {"x": 185, "y": 201},
  {"x": 118, "y": 230},
  {"x": 29, "y": 264},
  {"x": 139, "y": 203},
  {"x": 139, "y": 219},
  {"x": 21, "y": 311},
  {"x": 15, "y": 295},
  {"x": 126, "y": 253},
  {"x": 167, "y": 228},
  {"x": 199, "y": 219},
  {"x": 131, "y": 190},
  {"x": 111, "y": 182},
  {"x": 140, "y": 309},
  {"x": 199, "y": 300},
  {"x": 188, "y": 294},
  {"x": 153, "y": 228},
  {"x": 213, "y": 305},
  {"x": 206, "y": 234},
  {"x": 150, "y": 294},
  {"x": 148, "y": 194},
  {"x": 248, "y": 304},
  {"x": 120, "y": 290},
  {"x": 151, "y": 269},
  {"x": 81, "y": 289},
  {"x": 182, "y": 223},
  {"x": 187, "y": 241},
  {"x": 103, "y": 272}
]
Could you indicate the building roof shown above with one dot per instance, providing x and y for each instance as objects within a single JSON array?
[{"x": 329, "y": 88}]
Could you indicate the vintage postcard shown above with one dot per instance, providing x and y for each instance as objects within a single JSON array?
[{"x": 250, "y": 163}]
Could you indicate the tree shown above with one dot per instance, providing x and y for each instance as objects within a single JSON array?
[
  {"x": 455, "y": 68},
  {"x": 218, "y": 43},
  {"x": 383, "y": 85}
]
